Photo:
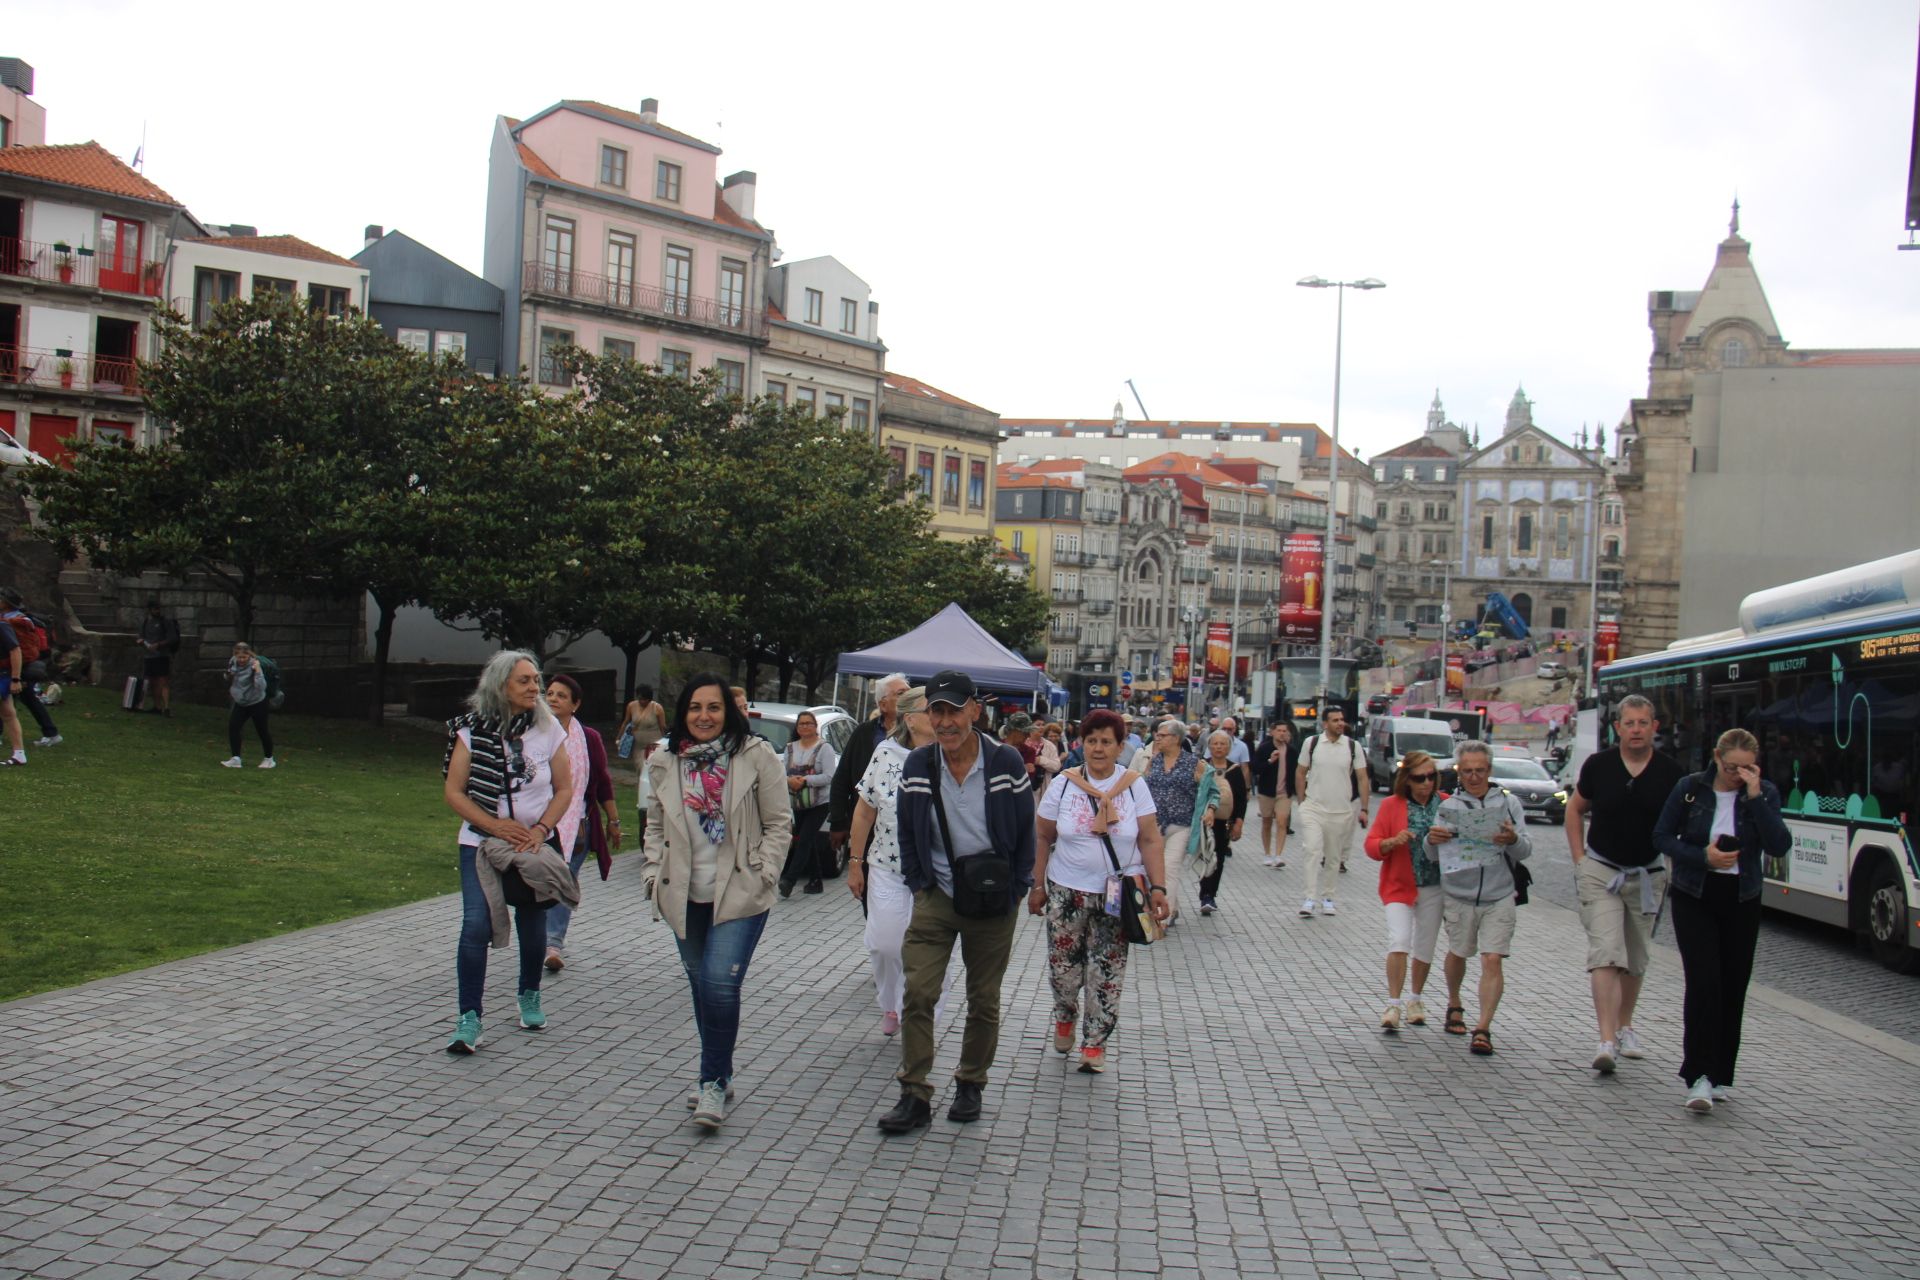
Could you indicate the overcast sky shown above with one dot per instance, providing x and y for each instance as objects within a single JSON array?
[{"x": 1049, "y": 199}]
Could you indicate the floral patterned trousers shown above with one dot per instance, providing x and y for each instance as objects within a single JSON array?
[{"x": 1085, "y": 951}]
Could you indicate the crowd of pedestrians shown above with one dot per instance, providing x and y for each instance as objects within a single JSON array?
[{"x": 947, "y": 829}]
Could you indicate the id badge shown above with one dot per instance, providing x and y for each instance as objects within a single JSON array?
[{"x": 1113, "y": 896}]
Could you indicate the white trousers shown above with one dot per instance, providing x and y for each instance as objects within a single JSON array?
[
  {"x": 1330, "y": 834},
  {"x": 1176, "y": 860},
  {"x": 889, "y": 909}
]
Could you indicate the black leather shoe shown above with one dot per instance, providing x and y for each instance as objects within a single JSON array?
[
  {"x": 786, "y": 888},
  {"x": 908, "y": 1114},
  {"x": 966, "y": 1102},
  {"x": 814, "y": 886}
]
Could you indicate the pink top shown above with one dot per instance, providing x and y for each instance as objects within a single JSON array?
[{"x": 576, "y": 807}]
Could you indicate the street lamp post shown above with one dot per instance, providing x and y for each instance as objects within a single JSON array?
[
  {"x": 1446, "y": 619},
  {"x": 1333, "y": 472},
  {"x": 1233, "y": 641}
]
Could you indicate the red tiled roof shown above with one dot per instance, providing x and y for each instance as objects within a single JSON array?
[
  {"x": 1033, "y": 482},
  {"x": 279, "y": 246},
  {"x": 914, "y": 387},
  {"x": 726, "y": 215},
  {"x": 1181, "y": 464},
  {"x": 83, "y": 164},
  {"x": 531, "y": 158},
  {"x": 1839, "y": 359},
  {"x": 1420, "y": 448},
  {"x": 774, "y": 312},
  {"x": 633, "y": 118}
]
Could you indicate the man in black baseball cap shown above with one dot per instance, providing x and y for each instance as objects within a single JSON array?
[{"x": 966, "y": 852}]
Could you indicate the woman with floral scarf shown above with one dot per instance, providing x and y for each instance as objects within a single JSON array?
[
  {"x": 717, "y": 833},
  {"x": 1409, "y": 884}
]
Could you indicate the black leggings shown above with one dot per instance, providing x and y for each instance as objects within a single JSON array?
[
  {"x": 807, "y": 855},
  {"x": 237, "y": 719},
  {"x": 1716, "y": 934}
]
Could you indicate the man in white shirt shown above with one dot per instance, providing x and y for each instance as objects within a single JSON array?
[{"x": 1332, "y": 780}]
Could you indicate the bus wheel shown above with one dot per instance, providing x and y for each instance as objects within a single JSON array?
[{"x": 1887, "y": 919}]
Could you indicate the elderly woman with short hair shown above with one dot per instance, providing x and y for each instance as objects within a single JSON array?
[
  {"x": 1172, "y": 774},
  {"x": 1225, "y": 815},
  {"x": 508, "y": 777}
]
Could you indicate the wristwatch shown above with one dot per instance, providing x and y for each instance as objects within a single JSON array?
[{"x": 1156, "y": 888}]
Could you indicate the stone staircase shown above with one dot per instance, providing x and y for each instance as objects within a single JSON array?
[{"x": 91, "y": 603}]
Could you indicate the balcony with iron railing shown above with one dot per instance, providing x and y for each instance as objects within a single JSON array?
[
  {"x": 1098, "y": 607},
  {"x": 650, "y": 301},
  {"x": 1064, "y": 635},
  {"x": 1097, "y": 652},
  {"x": 1195, "y": 573},
  {"x": 1068, "y": 595},
  {"x": 56, "y": 263},
  {"x": 1367, "y": 523},
  {"x": 1365, "y": 559},
  {"x": 48, "y": 370},
  {"x": 1100, "y": 515}
]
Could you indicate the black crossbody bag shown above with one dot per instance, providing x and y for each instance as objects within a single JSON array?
[
  {"x": 1137, "y": 924},
  {"x": 983, "y": 883}
]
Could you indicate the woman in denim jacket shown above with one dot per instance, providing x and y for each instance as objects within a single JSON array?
[{"x": 1715, "y": 830}]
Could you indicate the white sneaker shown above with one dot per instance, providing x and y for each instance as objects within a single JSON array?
[
  {"x": 1723, "y": 1093},
  {"x": 1700, "y": 1097},
  {"x": 1630, "y": 1044},
  {"x": 1306, "y": 908},
  {"x": 268, "y": 763},
  {"x": 1416, "y": 1012},
  {"x": 54, "y": 741},
  {"x": 231, "y": 762},
  {"x": 1390, "y": 1020},
  {"x": 1603, "y": 1060},
  {"x": 712, "y": 1110},
  {"x": 1326, "y": 907}
]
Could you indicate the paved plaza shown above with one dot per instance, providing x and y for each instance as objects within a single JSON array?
[{"x": 285, "y": 1109}]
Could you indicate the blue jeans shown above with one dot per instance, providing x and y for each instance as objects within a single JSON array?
[
  {"x": 559, "y": 914},
  {"x": 476, "y": 935},
  {"x": 715, "y": 957}
]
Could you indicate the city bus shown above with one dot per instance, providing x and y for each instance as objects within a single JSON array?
[
  {"x": 1825, "y": 673},
  {"x": 1299, "y": 693}
]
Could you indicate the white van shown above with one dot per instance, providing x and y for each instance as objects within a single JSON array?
[{"x": 1389, "y": 738}]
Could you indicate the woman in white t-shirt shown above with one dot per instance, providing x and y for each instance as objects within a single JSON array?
[
  {"x": 1086, "y": 948},
  {"x": 508, "y": 777}
]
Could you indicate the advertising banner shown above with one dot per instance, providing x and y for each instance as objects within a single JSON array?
[
  {"x": 1456, "y": 673},
  {"x": 1606, "y": 639},
  {"x": 1219, "y": 641},
  {"x": 1241, "y": 666},
  {"x": 1303, "y": 584},
  {"x": 1181, "y": 658}
]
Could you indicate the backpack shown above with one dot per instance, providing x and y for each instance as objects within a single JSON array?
[
  {"x": 276, "y": 692},
  {"x": 1353, "y": 755},
  {"x": 33, "y": 641}
]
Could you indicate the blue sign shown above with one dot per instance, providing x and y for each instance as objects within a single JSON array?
[{"x": 1126, "y": 677}]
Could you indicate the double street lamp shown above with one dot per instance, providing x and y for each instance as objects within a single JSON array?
[{"x": 1333, "y": 472}]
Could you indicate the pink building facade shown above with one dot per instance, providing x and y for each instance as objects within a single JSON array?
[{"x": 609, "y": 231}]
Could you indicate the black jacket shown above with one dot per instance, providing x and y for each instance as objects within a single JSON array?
[{"x": 847, "y": 774}]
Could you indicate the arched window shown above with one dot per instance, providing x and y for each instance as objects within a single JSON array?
[
  {"x": 1734, "y": 354},
  {"x": 1523, "y": 605}
]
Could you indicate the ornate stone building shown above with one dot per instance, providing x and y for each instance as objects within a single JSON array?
[{"x": 1416, "y": 501}]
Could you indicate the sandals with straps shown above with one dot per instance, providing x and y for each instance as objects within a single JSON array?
[
  {"x": 1482, "y": 1042},
  {"x": 1456, "y": 1020}
]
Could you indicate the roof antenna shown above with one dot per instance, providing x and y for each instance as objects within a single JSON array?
[{"x": 140, "y": 154}]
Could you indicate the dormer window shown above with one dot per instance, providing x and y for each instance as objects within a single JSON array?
[
  {"x": 666, "y": 182},
  {"x": 613, "y": 167},
  {"x": 849, "y": 316},
  {"x": 1734, "y": 354},
  {"x": 816, "y": 306}
]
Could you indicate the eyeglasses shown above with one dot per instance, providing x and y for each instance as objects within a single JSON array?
[{"x": 1421, "y": 777}]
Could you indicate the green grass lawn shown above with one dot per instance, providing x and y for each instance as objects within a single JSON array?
[{"x": 128, "y": 844}]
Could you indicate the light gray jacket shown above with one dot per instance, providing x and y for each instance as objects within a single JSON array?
[
  {"x": 1493, "y": 882},
  {"x": 759, "y": 828}
]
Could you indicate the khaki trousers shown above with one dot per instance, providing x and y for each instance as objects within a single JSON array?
[{"x": 985, "y": 946}]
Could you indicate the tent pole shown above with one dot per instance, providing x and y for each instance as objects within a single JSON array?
[{"x": 836, "y": 688}]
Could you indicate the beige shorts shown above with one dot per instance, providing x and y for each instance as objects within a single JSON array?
[
  {"x": 1485, "y": 930},
  {"x": 1271, "y": 806},
  {"x": 1617, "y": 930}
]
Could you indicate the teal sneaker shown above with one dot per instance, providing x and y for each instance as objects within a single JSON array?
[
  {"x": 466, "y": 1037},
  {"x": 530, "y": 1016}
]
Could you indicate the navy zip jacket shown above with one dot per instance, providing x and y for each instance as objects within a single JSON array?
[
  {"x": 1009, "y": 813},
  {"x": 1686, "y": 825}
]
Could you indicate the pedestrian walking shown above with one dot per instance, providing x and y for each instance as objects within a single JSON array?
[
  {"x": 10, "y": 677},
  {"x": 1332, "y": 776},
  {"x": 1619, "y": 876},
  {"x": 247, "y": 690},
  {"x": 159, "y": 639},
  {"x": 591, "y": 823},
  {"x": 810, "y": 762},
  {"x": 1718, "y": 827},
  {"x": 646, "y": 720},
  {"x": 966, "y": 851},
  {"x": 719, "y": 830},
  {"x": 1094, "y": 826},
  {"x": 873, "y": 875},
  {"x": 1478, "y": 909},
  {"x": 1409, "y": 884},
  {"x": 1224, "y": 818},
  {"x": 1048, "y": 768},
  {"x": 35, "y": 641},
  {"x": 509, "y": 779},
  {"x": 855, "y": 756},
  {"x": 1172, "y": 774},
  {"x": 1274, "y": 761}
]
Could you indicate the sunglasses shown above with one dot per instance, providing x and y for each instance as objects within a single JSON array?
[{"x": 1421, "y": 777}]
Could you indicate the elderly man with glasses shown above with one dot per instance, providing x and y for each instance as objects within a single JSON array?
[{"x": 1477, "y": 877}]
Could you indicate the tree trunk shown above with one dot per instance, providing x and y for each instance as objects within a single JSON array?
[
  {"x": 786, "y": 678},
  {"x": 752, "y": 681},
  {"x": 632, "y": 651},
  {"x": 243, "y": 604},
  {"x": 382, "y": 646}
]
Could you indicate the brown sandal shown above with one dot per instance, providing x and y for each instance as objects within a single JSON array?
[
  {"x": 1456, "y": 1020},
  {"x": 1482, "y": 1042}
]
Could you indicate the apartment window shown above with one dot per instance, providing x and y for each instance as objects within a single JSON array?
[
  {"x": 861, "y": 419},
  {"x": 263, "y": 285},
  {"x": 551, "y": 340},
  {"x": 1445, "y": 512},
  {"x": 1405, "y": 546},
  {"x": 803, "y": 397},
  {"x": 836, "y": 403},
  {"x": 898, "y": 453},
  {"x": 1426, "y": 544},
  {"x": 1406, "y": 511},
  {"x": 613, "y": 167},
  {"x": 556, "y": 255},
  {"x": 849, "y": 316},
  {"x": 617, "y": 348},
  {"x": 816, "y": 306},
  {"x": 1486, "y": 533},
  {"x": 977, "y": 485},
  {"x": 450, "y": 342},
  {"x": 778, "y": 390},
  {"x": 950, "y": 483},
  {"x": 733, "y": 292},
  {"x": 1523, "y": 535},
  {"x": 1408, "y": 473},
  {"x": 1610, "y": 548},
  {"x": 1513, "y": 453},
  {"x": 622, "y": 248},
  {"x": 327, "y": 299},
  {"x": 1019, "y": 538},
  {"x": 1439, "y": 473},
  {"x": 666, "y": 182},
  {"x": 414, "y": 339},
  {"x": 1380, "y": 473},
  {"x": 677, "y": 363},
  {"x": 679, "y": 281},
  {"x": 1562, "y": 534},
  {"x": 733, "y": 376},
  {"x": 1610, "y": 513},
  {"x": 211, "y": 288},
  {"x": 926, "y": 475},
  {"x": 1557, "y": 617}
]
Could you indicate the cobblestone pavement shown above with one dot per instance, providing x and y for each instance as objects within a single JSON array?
[{"x": 285, "y": 1109}]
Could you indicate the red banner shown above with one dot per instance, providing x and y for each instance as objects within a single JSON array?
[
  {"x": 1219, "y": 641},
  {"x": 1182, "y": 657},
  {"x": 1303, "y": 586},
  {"x": 1606, "y": 639}
]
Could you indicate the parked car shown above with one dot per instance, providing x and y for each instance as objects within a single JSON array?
[
  {"x": 1389, "y": 738},
  {"x": 1378, "y": 703},
  {"x": 1551, "y": 671},
  {"x": 1529, "y": 780},
  {"x": 774, "y": 722},
  {"x": 15, "y": 454}
]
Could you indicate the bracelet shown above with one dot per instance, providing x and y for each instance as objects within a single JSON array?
[
  {"x": 1156, "y": 888},
  {"x": 544, "y": 827}
]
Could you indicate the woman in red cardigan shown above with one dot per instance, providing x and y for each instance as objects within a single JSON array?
[{"x": 1409, "y": 883}]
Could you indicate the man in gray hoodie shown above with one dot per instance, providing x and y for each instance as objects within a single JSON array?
[{"x": 1478, "y": 905}]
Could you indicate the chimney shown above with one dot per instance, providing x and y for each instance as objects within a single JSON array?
[
  {"x": 17, "y": 76},
  {"x": 242, "y": 229},
  {"x": 373, "y": 232},
  {"x": 738, "y": 192},
  {"x": 650, "y": 110}
]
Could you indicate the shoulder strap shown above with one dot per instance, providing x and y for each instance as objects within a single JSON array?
[
  {"x": 940, "y": 809},
  {"x": 506, "y": 772},
  {"x": 1106, "y": 838}
]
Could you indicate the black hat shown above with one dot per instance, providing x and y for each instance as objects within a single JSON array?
[
  {"x": 12, "y": 597},
  {"x": 955, "y": 688}
]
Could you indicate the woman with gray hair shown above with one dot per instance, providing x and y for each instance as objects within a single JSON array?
[
  {"x": 509, "y": 779},
  {"x": 1172, "y": 774}
]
